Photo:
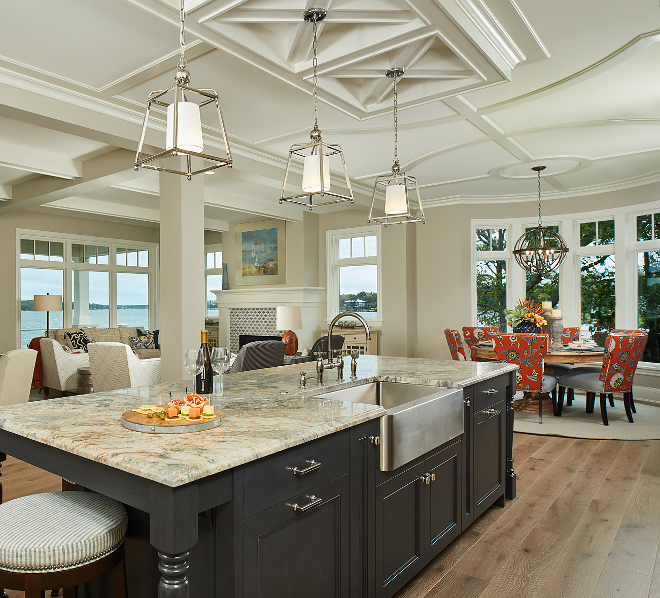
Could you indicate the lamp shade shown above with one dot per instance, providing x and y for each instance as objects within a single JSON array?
[
  {"x": 189, "y": 131},
  {"x": 395, "y": 200},
  {"x": 288, "y": 317},
  {"x": 48, "y": 303},
  {"x": 312, "y": 174}
]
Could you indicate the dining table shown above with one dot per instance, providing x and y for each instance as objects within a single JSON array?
[{"x": 529, "y": 403}]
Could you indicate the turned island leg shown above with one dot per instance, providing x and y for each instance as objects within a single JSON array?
[
  {"x": 173, "y": 575},
  {"x": 510, "y": 474}
]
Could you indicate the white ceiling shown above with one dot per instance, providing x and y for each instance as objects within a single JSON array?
[{"x": 491, "y": 87}]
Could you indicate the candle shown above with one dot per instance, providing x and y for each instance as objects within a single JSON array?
[
  {"x": 556, "y": 313},
  {"x": 546, "y": 304}
]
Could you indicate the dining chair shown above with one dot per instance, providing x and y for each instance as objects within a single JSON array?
[
  {"x": 477, "y": 334},
  {"x": 16, "y": 371},
  {"x": 568, "y": 335},
  {"x": 622, "y": 354},
  {"x": 455, "y": 345},
  {"x": 527, "y": 352}
]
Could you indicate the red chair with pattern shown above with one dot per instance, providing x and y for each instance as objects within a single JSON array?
[
  {"x": 477, "y": 334},
  {"x": 570, "y": 335},
  {"x": 527, "y": 351},
  {"x": 455, "y": 345},
  {"x": 622, "y": 354}
]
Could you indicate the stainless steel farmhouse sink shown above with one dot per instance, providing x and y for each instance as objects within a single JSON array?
[{"x": 418, "y": 418}]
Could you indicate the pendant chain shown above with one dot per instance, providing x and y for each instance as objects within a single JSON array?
[
  {"x": 182, "y": 60},
  {"x": 315, "y": 80},
  {"x": 396, "y": 125},
  {"x": 539, "y": 176}
]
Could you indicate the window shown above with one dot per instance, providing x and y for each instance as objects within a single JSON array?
[
  {"x": 596, "y": 233},
  {"x": 597, "y": 295},
  {"x": 213, "y": 277},
  {"x": 543, "y": 288},
  {"x": 492, "y": 263},
  {"x": 103, "y": 283},
  {"x": 491, "y": 239},
  {"x": 354, "y": 272},
  {"x": 648, "y": 301}
]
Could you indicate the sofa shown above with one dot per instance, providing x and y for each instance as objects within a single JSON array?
[{"x": 107, "y": 335}]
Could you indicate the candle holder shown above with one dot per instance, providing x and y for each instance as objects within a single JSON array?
[{"x": 555, "y": 330}]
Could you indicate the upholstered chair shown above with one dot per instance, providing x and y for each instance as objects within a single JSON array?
[
  {"x": 115, "y": 366},
  {"x": 568, "y": 335},
  {"x": 477, "y": 334},
  {"x": 258, "y": 355},
  {"x": 622, "y": 354},
  {"x": 455, "y": 345},
  {"x": 60, "y": 368},
  {"x": 527, "y": 351},
  {"x": 321, "y": 345},
  {"x": 16, "y": 370}
]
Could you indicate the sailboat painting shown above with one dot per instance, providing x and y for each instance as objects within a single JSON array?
[{"x": 260, "y": 252}]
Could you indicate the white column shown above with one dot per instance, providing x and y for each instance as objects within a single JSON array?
[
  {"x": 181, "y": 268},
  {"x": 81, "y": 298},
  {"x": 569, "y": 278},
  {"x": 625, "y": 274}
]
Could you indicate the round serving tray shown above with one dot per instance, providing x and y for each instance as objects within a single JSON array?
[{"x": 152, "y": 425}]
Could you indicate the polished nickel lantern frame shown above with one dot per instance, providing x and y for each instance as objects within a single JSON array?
[
  {"x": 397, "y": 184},
  {"x": 540, "y": 250},
  {"x": 182, "y": 93},
  {"x": 317, "y": 151}
]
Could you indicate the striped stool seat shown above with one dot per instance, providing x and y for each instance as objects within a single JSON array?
[{"x": 56, "y": 531}]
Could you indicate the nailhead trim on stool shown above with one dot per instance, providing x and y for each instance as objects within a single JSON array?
[{"x": 55, "y": 531}]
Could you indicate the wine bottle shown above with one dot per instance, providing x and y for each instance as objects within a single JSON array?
[{"x": 205, "y": 377}]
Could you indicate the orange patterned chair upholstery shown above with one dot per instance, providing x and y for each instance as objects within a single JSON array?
[{"x": 455, "y": 345}]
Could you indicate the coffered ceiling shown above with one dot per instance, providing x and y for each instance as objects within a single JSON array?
[{"x": 490, "y": 87}]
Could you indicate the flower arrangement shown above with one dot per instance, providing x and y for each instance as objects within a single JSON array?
[{"x": 527, "y": 311}]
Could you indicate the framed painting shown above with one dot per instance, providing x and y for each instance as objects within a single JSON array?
[{"x": 260, "y": 250}]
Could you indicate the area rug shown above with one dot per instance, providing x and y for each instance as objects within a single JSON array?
[{"x": 576, "y": 423}]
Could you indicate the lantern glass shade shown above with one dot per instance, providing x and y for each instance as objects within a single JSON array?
[
  {"x": 288, "y": 317},
  {"x": 311, "y": 182},
  {"x": 189, "y": 131},
  {"x": 396, "y": 201},
  {"x": 48, "y": 303}
]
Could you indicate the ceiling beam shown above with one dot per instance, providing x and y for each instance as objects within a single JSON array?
[
  {"x": 371, "y": 73},
  {"x": 30, "y": 160},
  {"x": 97, "y": 173},
  {"x": 294, "y": 15},
  {"x": 5, "y": 192},
  {"x": 300, "y": 38}
]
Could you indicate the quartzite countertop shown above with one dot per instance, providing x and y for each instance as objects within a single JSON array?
[{"x": 257, "y": 419}]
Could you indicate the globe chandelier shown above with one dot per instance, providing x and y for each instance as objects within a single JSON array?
[
  {"x": 540, "y": 250},
  {"x": 399, "y": 207},
  {"x": 184, "y": 125},
  {"x": 316, "y": 189}
]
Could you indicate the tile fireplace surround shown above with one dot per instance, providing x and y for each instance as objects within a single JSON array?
[{"x": 252, "y": 311}]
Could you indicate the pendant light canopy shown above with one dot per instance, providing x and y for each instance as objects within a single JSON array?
[
  {"x": 540, "y": 250},
  {"x": 184, "y": 123},
  {"x": 316, "y": 189},
  {"x": 400, "y": 207}
]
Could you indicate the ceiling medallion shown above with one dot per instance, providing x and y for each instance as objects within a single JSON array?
[
  {"x": 399, "y": 209},
  {"x": 316, "y": 154},
  {"x": 540, "y": 250},
  {"x": 184, "y": 123}
]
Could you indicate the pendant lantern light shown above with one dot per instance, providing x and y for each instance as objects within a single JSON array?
[
  {"x": 317, "y": 188},
  {"x": 540, "y": 250},
  {"x": 400, "y": 208},
  {"x": 184, "y": 124}
]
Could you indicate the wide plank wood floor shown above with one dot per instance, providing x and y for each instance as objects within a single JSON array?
[{"x": 585, "y": 524}]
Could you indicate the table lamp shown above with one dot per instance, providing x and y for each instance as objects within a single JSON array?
[
  {"x": 47, "y": 303},
  {"x": 288, "y": 317}
]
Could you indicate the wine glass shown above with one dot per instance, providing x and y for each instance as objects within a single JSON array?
[
  {"x": 194, "y": 364},
  {"x": 220, "y": 364}
]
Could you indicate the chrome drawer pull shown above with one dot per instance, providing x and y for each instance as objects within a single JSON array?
[
  {"x": 314, "y": 501},
  {"x": 491, "y": 412},
  {"x": 491, "y": 391},
  {"x": 427, "y": 478},
  {"x": 374, "y": 440},
  {"x": 467, "y": 402},
  {"x": 313, "y": 465}
]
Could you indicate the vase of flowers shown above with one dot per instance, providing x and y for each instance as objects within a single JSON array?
[{"x": 526, "y": 317}]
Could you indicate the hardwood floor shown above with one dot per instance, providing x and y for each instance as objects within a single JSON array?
[{"x": 585, "y": 524}]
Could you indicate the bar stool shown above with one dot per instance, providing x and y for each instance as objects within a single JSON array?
[{"x": 61, "y": 539}]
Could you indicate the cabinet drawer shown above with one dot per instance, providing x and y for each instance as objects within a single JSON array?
[
  {"x": 272, "y": 480},
  {"x": 489, "y": 392},
  {"x": 355, "y": 338}
]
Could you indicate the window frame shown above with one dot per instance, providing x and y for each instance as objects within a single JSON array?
[
  {"x": 68, "y": 266},
  {"x": 213, "y": 248},
  {"x": 334, "y": 262}
]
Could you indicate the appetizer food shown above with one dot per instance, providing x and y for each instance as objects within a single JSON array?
[{"x": 208, "y": 411}]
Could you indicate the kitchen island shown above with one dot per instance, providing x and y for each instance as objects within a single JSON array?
[{"x": 192, "y": 492}]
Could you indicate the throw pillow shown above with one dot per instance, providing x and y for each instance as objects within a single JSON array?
[
  {"x": 77, "y": 339},
  {"x": 145, "y": 341},
  {"x": 155, "y": 334}
]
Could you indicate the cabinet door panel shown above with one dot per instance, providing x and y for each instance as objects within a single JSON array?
[
  {"x": 445, "y": 498},
  {"x": 489, "y": 434},
  {"x": 298, "y": 555},
  {"x": 398, "y": 544}
]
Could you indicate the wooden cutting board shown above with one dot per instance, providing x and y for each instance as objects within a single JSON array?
[{"x": 155, "y": 425}]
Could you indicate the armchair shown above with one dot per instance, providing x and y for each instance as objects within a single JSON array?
[
  {"x": 60, "y": 368},
  {"x": 115, "y": 366},
  {"x": 16, "y": 369}
]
